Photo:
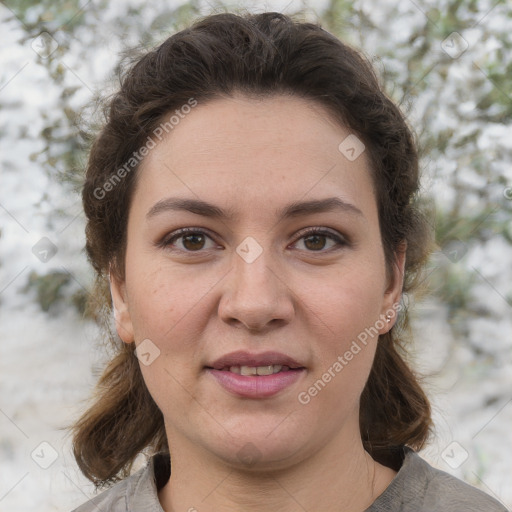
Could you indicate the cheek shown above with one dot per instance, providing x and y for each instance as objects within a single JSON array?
[
  {"x": 349, "y": 344},
  {"x": 344, "y": 359},
  {"x": 346, "y": 302},
  {"x": 167, "y": 307},
  {"x": 347, "y": 308},
  {"x": 161, "y": 297}
]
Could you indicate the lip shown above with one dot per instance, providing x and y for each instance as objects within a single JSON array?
[
  {"x": 243, "y": 358},
  {"x": 255, "y": 386}
]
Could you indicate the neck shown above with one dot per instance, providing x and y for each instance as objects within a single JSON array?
[{"x": 340, "y": 476}]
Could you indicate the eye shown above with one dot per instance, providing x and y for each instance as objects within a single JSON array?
[
  {"x": 314, "y": 239},
  {"x": 195, "y": 240},
  {"x": 191, "y": 240}
]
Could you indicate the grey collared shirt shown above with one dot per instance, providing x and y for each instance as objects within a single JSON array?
[{"x": 417, "y": 487}]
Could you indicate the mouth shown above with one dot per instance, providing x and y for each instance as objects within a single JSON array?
[
  {"x": 255, "y": 375},
  {"x": 266, "y": 363},
  {"x": 257, "y": 370}
]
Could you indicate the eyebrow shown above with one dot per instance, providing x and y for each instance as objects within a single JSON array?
[{"x": 292, "y": 210}]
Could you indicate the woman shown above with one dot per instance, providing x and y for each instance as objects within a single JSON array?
[{"x": 251, "y": 204}]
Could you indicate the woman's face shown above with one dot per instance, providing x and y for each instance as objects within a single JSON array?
[{"x": 250, "y": 285}]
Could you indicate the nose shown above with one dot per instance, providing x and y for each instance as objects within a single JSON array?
[{"x": 256, "y": 296}]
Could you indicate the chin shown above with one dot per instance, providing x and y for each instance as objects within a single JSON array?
[{"x": 263, "y": 448}]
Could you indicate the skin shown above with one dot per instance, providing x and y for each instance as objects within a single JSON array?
[{"x": 197, "y": 300}]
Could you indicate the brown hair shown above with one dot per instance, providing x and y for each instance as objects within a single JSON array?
[{"x": 257, "y": 55}]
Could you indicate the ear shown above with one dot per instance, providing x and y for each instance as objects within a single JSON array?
[
  {"x": 393, "y": 293},
  {"x": 122, "y": 316}
]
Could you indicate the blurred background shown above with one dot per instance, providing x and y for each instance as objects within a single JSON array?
[{"x": 447, "y": 63}]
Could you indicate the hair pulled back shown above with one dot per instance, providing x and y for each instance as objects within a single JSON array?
[{"x": 257, "y": 55}]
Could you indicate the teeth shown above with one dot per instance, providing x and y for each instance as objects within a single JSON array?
[{"x": 256, "y": 370}]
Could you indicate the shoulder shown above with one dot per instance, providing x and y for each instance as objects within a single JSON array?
[
  {"x": 113, "y": 499},
  {"x": 419, "y": 487},
  {"x": 136, "y": 492}
]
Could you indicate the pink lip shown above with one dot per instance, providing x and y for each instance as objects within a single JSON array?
[{"x": 256, "y": 386}]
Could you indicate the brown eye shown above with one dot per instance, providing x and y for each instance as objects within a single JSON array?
[
  {"x": 315, "y": 240},
  {"x": 186, "y": 240},
  {"x": 193, "y": 242}
]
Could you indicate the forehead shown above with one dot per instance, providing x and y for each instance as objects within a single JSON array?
[{"x": 250, "y": 151}]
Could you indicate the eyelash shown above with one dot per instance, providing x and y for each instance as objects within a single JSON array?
[{"x": 341, "y": 242}]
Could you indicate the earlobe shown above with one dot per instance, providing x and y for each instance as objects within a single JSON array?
[
  {"x": 122, "y": 316},
  {"x": 393, "y": 295}
]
